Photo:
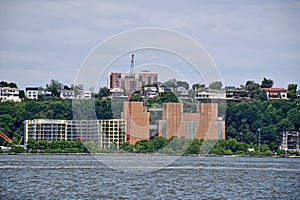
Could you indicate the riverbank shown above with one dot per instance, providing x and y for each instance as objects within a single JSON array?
[{"x": 153, "y": 154}]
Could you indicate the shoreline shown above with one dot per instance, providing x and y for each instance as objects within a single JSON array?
[{"x": 152, "y": 154}]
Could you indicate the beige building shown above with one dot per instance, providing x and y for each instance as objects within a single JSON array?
[
  {"x": 103, "y": 132},
  {"x": 205, "y": 124},
  {"x": 137, "y": 121}
]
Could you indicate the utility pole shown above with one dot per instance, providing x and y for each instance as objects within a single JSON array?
[
  {"x": 241, "y": 135},
  {"x": 258, "y": 139}
]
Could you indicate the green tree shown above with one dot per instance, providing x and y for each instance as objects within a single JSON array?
[
  {"x": 267, "y": 83},
  {"x": 292, "y": 91},
  {"x": 251, "y": 85},
  {"x": 183, "y": 84},
  {"x": 160, "y": 142},
  {"x": 168, "y": 97},
  {"x": 197, "y": 86},
  {"x": 216, "y": 85},
  {"x": 136, "y": 98},
  {"x": 294, "y": 116},
  {"x": 54, "y": 87},
  {"x": 103, "y": 92},
  {"x": 170, "y": 83},
  {"x": 22, "y": 94}
]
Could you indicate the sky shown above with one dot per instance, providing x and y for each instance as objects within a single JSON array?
[{"x": 247, "y": 40}]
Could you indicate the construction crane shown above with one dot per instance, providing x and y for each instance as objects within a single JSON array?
[
  {"x": 132, "y": 66},
  {"x": 7, "y": 139},
  {"x": 131, "y": 88}
]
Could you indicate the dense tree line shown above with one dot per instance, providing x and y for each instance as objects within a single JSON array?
[
  {"x": 271, "y": 116},
  {"x": 243, "y": 119},
  {"x": 12, "y": 115}
]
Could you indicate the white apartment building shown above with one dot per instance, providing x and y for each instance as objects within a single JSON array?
[
  {"x": 9, "y": 94},
  {"x": 205, "y": 93}
]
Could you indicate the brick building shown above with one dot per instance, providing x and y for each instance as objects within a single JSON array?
[
  {"x": 135, "y": 82},
  {"x": 137, "y": 121},
  {"x": 203, "y": 124}
]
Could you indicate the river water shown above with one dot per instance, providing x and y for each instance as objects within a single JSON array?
[{"x": 189, "y": 177}]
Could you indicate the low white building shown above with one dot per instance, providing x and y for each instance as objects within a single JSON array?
[
  {"x": 150, "y": 92},
  {"x": 205, "y": 93},
  {"x": 84, "y": 94},
  {"x": 290, "y": 140},
  {"x": 183, "y": 93},
  {"x": 35, "y": 92},
  {"x": 276, "y": 93},
  {"x": 9, "y": 94},
  {"x": 67, "y": 94},
  {"x": 117, "y": 92}
]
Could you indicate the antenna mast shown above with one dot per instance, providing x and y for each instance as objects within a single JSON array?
[{"x": 132, "y": 66}]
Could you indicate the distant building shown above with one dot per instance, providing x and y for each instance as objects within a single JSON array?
[
  {"x": 35, "y": 92},
  {"x": 290, "y": 140},
  {"x": 67, "y": 94},
  {"x": 209, "y": 94},
  {"x": 237, "y": 95},
  {"x": 83, "y": 95},
  {"x": 135, "y": 82},
  {"x": 117, "y": 92},
  {"x": 182, "y": 92},
  {"x": 203, "y": 124},
  {"x": 137, "y": 121},
  {"x": 104, "y": 132},
  {"x": 276, "y": 93},
  {"x": 150, "y": 92},
  {"x": 9, "y": 94}
]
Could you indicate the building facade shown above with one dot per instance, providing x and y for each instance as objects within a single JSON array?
[
  {"x": 209, "y": 94},
  {"x": 204, "y": 124},
  {"x": 103, "y": 132},
  {"x": 35, "y": 92},
  {"x": 137, "y": 121},
  {"x": 276, "y": 93},
  {"x": 131, "y": 82},
  {"x": 9, "y": 94},
  {"x": 67, "y": 94},
  {"x": 290, "y": 140}
]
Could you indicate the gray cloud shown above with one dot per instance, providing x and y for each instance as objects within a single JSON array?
[{"x": 247, "y": 40}]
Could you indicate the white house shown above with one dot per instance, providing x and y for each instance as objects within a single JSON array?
[
  {"x": 35, "y": 92},
  {"x": 276, "y": 93},
  {"x": 183, "y": 93},
  {"x": 84, "y": 94},
  {"x": 205, "y": 93},
  {"x": 67, "y": 94},
  {"x": 9, "y": 94},
  {"x": 150, "y": 92}
]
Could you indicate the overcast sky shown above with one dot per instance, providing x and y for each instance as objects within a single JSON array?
[{"x": 248, "y": 40}]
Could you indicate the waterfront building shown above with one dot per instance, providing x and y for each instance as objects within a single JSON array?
[
  {"x": 204, "y": 124},
  {"x": 290, "y": 140},
  {"x": 137, "y": 120},
  {"x": 9, "y": 94},
  {"x": 131, "y": 82},
  {"x": 103, "y": 132},
  {"x": 276, "y": 93}
]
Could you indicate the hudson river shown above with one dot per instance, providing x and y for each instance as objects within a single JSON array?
[{"x": 189, "y": 177}]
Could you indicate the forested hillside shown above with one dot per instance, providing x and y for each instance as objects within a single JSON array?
[{"x": 242, "y": 119}]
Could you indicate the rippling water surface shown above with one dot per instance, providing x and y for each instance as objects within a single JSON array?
[{"x": 190, "y": 177}]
